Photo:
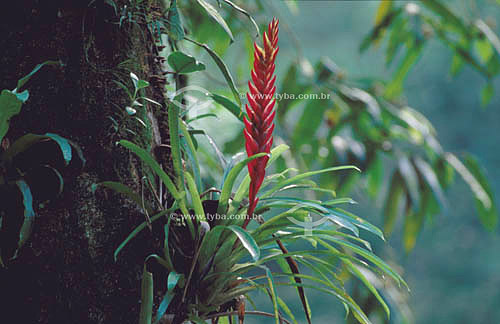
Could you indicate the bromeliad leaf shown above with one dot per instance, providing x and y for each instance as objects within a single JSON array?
[
  {"x": 247, "y": 240},
  {"x": 231, "y": 178}
]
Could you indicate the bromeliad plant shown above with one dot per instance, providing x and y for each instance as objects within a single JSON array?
[{"x": 216, "y": 258}]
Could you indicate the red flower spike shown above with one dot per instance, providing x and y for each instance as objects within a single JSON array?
[{"x": 259, "y": 125}]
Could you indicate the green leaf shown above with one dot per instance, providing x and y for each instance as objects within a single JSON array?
[
  {"x": 195, "y": 197},
  {"x": 359, "y": 274},
  {"x": 292, "y": 266},
  {"x": 29, "y": 213},
  {"x": 474, "y": 176},
  {"x": 141, "y": 84},
  {"x": 392, "y": 202},
  {"x": 166, "y": 249},
  {"x": 243, "y": 11},
  {"x": 286, "y": 309},
  {"x": 26, "y": 141},
  {"x": 63, "y": 145},
  {"x": 430, "y": 177},
  {"x": 484, "y": 50},
  {"x": 173, "y": 278},
  {"x": 209, "y": 244},
  {"x": 487, "y": 94},
  {"x": 383, "y": 10},
  {"x": 375, "y": 176},
  {"x": 174, "y": 28},
  {"x": 450, "y": 18},
  {"x": 148, "y": 159},
  {"x": 138, "y": 229},
  {"x": 272, "y": 292},
  {"x": 410, "y": 177},
  {"x": 229, "y": 105},
  {"x": 304, "y": 175},
  {"x": 247, "y": 241},
  {"x": 183, "y": 63},
  {"x": 10, "y": 105},
  {"x": 244, "y": 185},
  {"x": 223, "y": 68},
  {"x": 191, "y": 153},
  {"x": 414, "y": 221},
  {"x": 26, "y": 78},
  {"x": 146, "y": 313},
  {"x": 395, "y": 87},
  {"x": 215, "y": 15},
  {"x": 231, "y": 178}
]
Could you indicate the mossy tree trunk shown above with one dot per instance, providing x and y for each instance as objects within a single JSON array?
[{"x": 66, "y": 273}]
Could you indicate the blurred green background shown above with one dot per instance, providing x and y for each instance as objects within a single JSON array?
[{"x": 454, "y": 270}]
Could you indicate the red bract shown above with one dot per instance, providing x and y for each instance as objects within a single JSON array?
[{"x": 259, "y": 124}]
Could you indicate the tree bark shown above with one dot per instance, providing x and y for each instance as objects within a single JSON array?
[{"x": 66, "y": 272}]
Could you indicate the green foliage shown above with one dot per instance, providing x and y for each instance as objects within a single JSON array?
[
  {"x": 29, "y": 168},
  {"x": 365, "y": 123}
]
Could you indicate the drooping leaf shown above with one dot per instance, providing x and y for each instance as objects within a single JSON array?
[
  {"x": 229, "y": 105},
  {"x": 216, "y": 15},
  {"x": 359, "y": 274},
  {"x": 247, "y": 241},
  {"x": 474, "y": 176},
  {"x": 26, "y": 78},
  {"x": 26, "y": 141},
  {"x": 29, "y": 213},
  {"x": 137, "y": 230},
  {"x": 222, "y": 67},
  {"x": 243, "y": 11}
]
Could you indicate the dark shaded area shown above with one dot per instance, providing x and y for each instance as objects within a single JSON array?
[{"x": 66, "y": 272}]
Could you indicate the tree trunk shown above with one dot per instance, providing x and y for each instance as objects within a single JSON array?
[{"x": 66, "y": 272}]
